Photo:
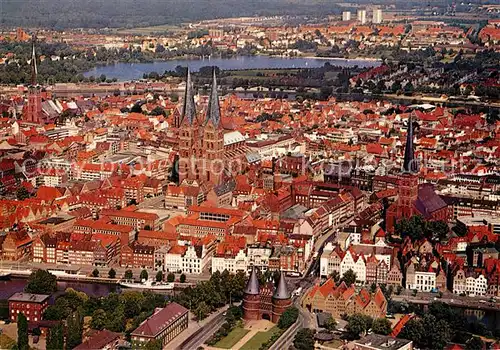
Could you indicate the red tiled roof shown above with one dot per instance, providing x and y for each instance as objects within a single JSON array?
[{"x": 160, "y": 320}]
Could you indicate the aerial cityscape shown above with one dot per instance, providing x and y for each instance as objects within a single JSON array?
[{"x": 248, "y": 175}]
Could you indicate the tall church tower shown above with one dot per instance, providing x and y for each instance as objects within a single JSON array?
[
  {"x": 188, "y": 135},
  {"x": 213, "y": 138},
  {"x": 408, "y": 181},
  {"x": 33, "y": 111}
]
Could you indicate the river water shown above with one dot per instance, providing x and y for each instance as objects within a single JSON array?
[
  {"x": 14, "y": 285},
  {"x": 134, "y": 71}
]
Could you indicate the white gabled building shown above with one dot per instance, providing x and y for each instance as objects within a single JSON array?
[
  {"x": 192, "y": 260},
  {"x": 459, "y": 282},
  {"x": 476, "y": 286},
  {"x": 231, "y": 263},
  {"x": 355, "y": 263},
  {"x": 421, "y": 281},
  {"x": 259, "y": 255},
  {"x": 187, "y": 259},
  {"x": 471, "y": 286}
]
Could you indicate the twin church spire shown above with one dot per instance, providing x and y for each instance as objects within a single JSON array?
[{"x": 189, "y": 109}]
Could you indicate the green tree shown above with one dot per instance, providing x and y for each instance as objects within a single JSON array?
[
  {"x": 288, "y": 317},
  {"x": 414, "y": 330},
  {"x": 95, "y": 273},
  {"x": 22, "y": 332},
  {"x": 116, "y": 320},
  {"x": 171, "y": 277},
  {"x": 335, "y": 275},
  {"x": 98, "y": 319},
  {"x": 158, "y": 111},
  {"x": 54, "y": 313},
  {"x": 304, "y": 339},
  {"x": 112, "y": 273},
  {"x": 55, "y": 337},
  {"x": 349, "y": 277},
  {"x": 382, "y": 326},
  {"x": 74, "y": 324},
  {"x": 201, "y": 311},
  {"x": 41, "y": 282},
  {"x": 330, "y": 324},
  {"x": 441, "y": 332},
  {"x": 159, "y": 276},
  {"x": 22, "y": 193},
  {"x": 154, "y": 345},
  {"x": 132, "y": 302},
  {"x": 358, "y": 324},
  {"x": 373, "y": 287},
  {"x": 474, "y": 343},
  {"x": 183, "y": 278},
  {"x": 144, "y": 275},
  {"x": 111, "y": 303},
  {"x": 129, "y": 275}
]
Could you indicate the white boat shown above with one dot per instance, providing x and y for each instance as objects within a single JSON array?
[
  {"x": 4, "y": 274},
  {"x": 60, "y": 273},
  {"x": 150, "y": 285}
]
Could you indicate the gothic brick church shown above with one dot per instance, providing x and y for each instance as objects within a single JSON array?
[
  {"x": 412, "y": 198},
  {"x": 208, "y": 153},
  {"x": 32, "y": 111},
  {"x": 265, "y": 302}
]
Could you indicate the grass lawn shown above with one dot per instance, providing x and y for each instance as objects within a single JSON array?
[
  {"x": 232, "y": 338},
  {"x": 336, "y": 344},
  {"x": 6, "y": 342},
  {"x": 260, "y": 338}
]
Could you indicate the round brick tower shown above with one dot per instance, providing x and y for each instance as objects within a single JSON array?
[
  {"x": 251, "y": 298},
  {"x": 282, "y": 299}
]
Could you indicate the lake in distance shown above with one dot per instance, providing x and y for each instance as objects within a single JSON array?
[{"x": 134, "y": 71}]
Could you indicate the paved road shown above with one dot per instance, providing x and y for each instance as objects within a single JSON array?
[
  {"x": 307, "y": 319},
  {"x": 481, "y": 303},
  {"x": 202, "y": 335}
]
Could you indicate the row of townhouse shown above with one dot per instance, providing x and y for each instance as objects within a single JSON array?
[
  {"x": 91, "y": 227},
  {"x": 182, "y": 255},
  {"x": 470, "y": 283},
  {"x": 66, "y": 248},
  {"x": 344, "y": 300},
  {"x": 234, "y": 255},
  {"x": 371, "y": 263},
  {"x": 137, "y": 255}
]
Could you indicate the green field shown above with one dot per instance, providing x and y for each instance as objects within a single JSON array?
[
  {"x": 6, "y": 342},
  {"x": 336, "y": 344},
  {"x": 260, "y": 338},
  {"x": 232, "y": 338}
]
